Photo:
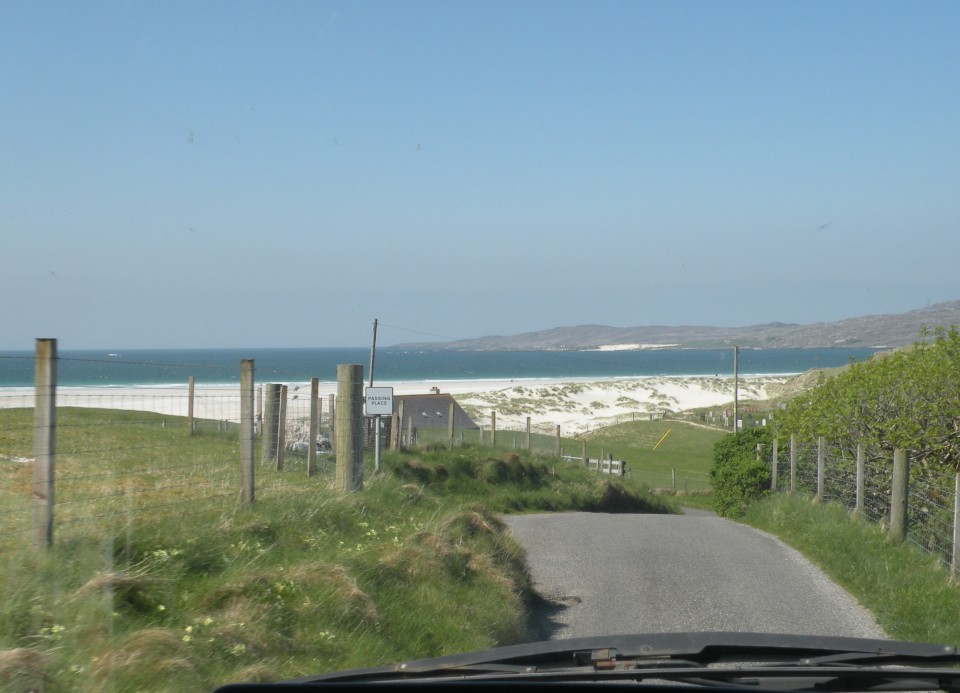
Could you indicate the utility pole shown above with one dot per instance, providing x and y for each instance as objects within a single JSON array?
[{"x": 373, "y": 351}]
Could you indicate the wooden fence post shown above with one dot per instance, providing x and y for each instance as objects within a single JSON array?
[
  {"x": 314, "y": 426},
  {"x": 861, "y": 478},
  {"x": 246, "y": 431},
  {"x": 271, "y": 414},
  {"x": 773, "y": 465},
  {"x": 559, "y": 449},
  {"x": 793, "y": 463},
  {"x": 955, "y": 559},
  {"x": 395, "y": 429},
  {"x": 282, "y": 428},
  {"x": 526, "y": 440},
  {"x": 899, "y": 494},
  {"x": 349, "y": 427},
  {"x": 332, "y": 407},
  {"x": 493, "y": 429},
  {"x": 821, "y": 468},
  {"x": 44, "y": 439},
  {"x": 191, "y": 385},
  {"x": 450, "y": 417},
  {"x": 259, "y": 426}
]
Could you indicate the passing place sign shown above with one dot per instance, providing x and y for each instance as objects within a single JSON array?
[{"x": 379, "y": 401}]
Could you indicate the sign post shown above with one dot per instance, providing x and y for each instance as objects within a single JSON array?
[{"x": 379, "y": 401}]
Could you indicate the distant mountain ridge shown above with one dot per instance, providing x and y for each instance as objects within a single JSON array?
[{"x": 891, "y": 330}]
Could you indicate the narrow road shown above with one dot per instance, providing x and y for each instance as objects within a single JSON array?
[{"x": 601, "y": 574}]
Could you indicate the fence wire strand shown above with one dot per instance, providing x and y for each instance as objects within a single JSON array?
[{"x": 931, "y": 501}]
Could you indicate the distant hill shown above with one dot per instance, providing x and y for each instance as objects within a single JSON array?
[{"x": 868, "y": 331}]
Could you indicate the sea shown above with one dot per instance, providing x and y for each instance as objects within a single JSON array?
[{"x": 153, "y": 367}]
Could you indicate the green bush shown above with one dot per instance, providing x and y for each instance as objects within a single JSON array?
[{"x": 737, "y": 476}]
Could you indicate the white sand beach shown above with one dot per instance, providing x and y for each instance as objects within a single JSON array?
[
  {"x": 576, "y": 405},
  {"x": 580, "y": 405}
]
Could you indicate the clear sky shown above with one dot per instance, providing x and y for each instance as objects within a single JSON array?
[{"x": 279, "y": 173}]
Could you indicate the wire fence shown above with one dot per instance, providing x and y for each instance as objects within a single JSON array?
[
  {"x": 863, "y": 481},
  {"x": 121, "y": 454}
]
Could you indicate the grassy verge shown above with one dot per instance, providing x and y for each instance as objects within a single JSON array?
[
  {"x": 909, "y": 593},
  {"x": 193, "y": 590}
]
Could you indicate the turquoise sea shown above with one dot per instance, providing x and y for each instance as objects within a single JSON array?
[{"x": 222, "y": 366}]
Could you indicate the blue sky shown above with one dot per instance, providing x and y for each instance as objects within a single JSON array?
[{"x": 231, "y": 174}]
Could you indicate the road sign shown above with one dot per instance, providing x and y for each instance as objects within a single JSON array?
[{"x": 379, "y": 401}]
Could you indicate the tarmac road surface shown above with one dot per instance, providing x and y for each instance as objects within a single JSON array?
[{"x": 600, "y": 574}]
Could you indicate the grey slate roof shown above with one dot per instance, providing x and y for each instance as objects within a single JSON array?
[{"x": 432, "y": 411}]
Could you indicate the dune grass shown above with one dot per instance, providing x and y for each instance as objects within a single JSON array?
[
  {"x": 160, "y": 580},
  {"x": 909, "y": 592}
]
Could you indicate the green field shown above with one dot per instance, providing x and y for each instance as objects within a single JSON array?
[{"x": 684, "y": 454}]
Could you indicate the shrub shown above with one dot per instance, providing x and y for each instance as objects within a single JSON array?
[{"x": 738, "y": 478}]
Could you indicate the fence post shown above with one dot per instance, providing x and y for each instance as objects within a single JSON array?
[
  {"x": 314, "y": 426},
  {"x": 282, "y": 428},
  {"x": 271, "y": 412},
  {"x": 191, "y": 383},
  {"x": 349, "y": 427},
  {"x": 246, "y": 431},
  {"x": 526, "y": 440},
  {"x": 793, "y": 463},
  {"x": 861, "y": 477},
  {"x": 898, "y": 495},
  {"x": 559, "y": 449},
  {"x": 44, "y": 439},
  {"x": 493, "y": 429},
  {"x": 773, "y": 466},
  {"x": 259, "y": 426},
  {"x": 452, "y": 412},
  {"x": 333, "y": 422},
  {"x": 821, "y": 467},
  {"x": 955, "y": 559}
]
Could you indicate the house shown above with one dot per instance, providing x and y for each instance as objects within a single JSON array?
[
  {"x": 431, "y": 411},
  {"x": 416, "y": 413}
]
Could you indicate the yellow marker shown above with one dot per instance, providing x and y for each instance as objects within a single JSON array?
[{"x": 662, "y": 439}]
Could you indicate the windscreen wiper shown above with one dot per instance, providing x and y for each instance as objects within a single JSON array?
[{"x": 719, "y": 661}]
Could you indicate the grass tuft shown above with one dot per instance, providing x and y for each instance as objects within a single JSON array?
[{"x": 24, "y": 669}]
